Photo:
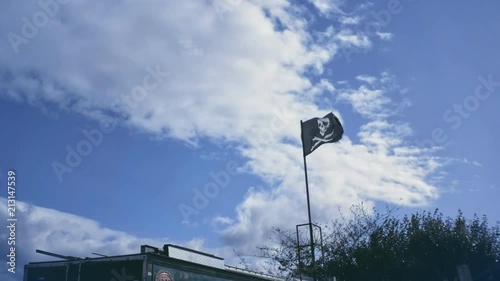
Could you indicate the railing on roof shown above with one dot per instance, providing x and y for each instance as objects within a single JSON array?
[
  {"x": 269, "y": 276},
  {"x": 194, "y": 256}
]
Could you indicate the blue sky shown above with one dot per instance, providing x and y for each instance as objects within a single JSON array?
[{"x": 212, "y": 106}]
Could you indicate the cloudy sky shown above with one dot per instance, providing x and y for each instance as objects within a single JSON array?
[{"x": 153, "y": 122}]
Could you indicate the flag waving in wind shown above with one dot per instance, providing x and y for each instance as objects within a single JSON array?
[{"x": 318, "y": 131}]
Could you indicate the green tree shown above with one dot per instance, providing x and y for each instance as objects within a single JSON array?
[{"x": 381, "y": 247}]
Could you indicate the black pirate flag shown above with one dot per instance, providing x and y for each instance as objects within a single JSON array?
[{"x": 318, "y": 131}]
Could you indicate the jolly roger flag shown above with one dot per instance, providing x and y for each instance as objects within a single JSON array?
[{"x": 318, "y": 131}]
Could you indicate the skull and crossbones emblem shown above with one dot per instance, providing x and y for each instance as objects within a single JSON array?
[{"x": 323, "y": 126}]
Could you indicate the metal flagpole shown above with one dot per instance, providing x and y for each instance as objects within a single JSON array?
[{"x": 309, "y": 213}]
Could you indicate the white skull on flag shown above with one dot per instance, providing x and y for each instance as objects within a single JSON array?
[{"x": 323, "y": 125}]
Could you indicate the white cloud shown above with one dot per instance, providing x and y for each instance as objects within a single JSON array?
[
  {"x": 368, "y": 102},
  {"x": 71, "y": 235},
  {"x": 348, "y": 39},
  {"x": 237, "y": 79},
  {"x": 385, "y": 35},
  {"x": 328, "y": 6},
  {"x": 355, "y": 20},
  {"x": 55, "y": 231},
  {"x": 475, "y": 163},
  {"x": 65, "y": 234},
  {"x": 222, "y": 220},
  {"x": 366, "y": 78}
]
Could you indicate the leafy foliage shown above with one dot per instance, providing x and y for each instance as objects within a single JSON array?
[{"x": 381, "y": 247}]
